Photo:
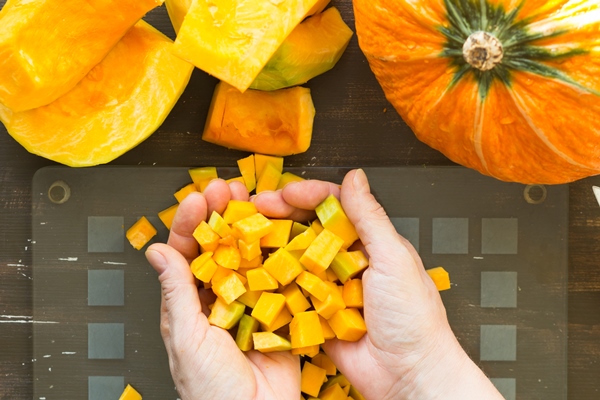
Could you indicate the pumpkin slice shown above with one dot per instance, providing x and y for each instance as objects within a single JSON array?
[
  {"x": 234, "y": 39},
  {"x": 314, "y": 47},
  {"x": 121, "y": 102},
  {"x": 277, "y": 123},
  {"x": 47, "y": 46}
]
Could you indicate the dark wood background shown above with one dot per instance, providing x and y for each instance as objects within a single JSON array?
[{"x": 354, "y": 127}]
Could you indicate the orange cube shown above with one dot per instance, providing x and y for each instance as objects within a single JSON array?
[
  {"x": 225, "y": 315},
  {"x": 294, "y": 299},
  {"x": 283, "y": 266},
  {"x": 313, "y": 285},
  {"x": 229, "y": 288},
  {"x": 282, "y": 319},
  {"x": 261, "y": 161},
  {"x": 252, "y": 228},
  {"x": 305, "y": 329},
  {"x": 311, "y": 379},
  {"x": 140, "y": 233},
  {"x": 302, "y": 240},
  {"x": 268, "y": 307},
  {"x": 279, "y": 236},
  {"x": 321, "y": 251},
  {"x": 309, "y": 351},
  {"x": 202, "y": 176},
  {"x": 167, "y": 215},
  {"x": 204, "y": 267},
  {"x": 185, "y": 191},
  {"x": 323, "y": 361},
  {"x": 268, "y": 179},
  {"x": 328, "y": 333},
  {"x": 206, "y": 237},
  {"x": 250, "y": 297},
  {"x": 333, "y": 392},
  {"x": 238, "y": 209},
  {"x": 260, "y": 279},
  {"x": 333, "y": 303},
  {"x": 440, "y": 277},
  {"x": 227, "y": 257},
  {"x": 247, "y": 169},
  {"x": 348, "y": 324},
  {"x": 353, "y": 293},
  {"x": 249, "y": 251},
  {"x": 332, "y": 217}
]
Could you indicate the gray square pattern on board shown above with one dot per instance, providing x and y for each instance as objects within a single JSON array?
[
  {"x": 506, "y": 386},
  {"x": 106, "y": 340},
  {"x": 105, "y": 387},
  {"x": 408, "y": 228},
  {"x": 450, "y": 236},
  {"x": 106, "y": 234},
  {"x": 498, "y": 289},
  {"x": 106, "y": 287},
  {"x": 499, "y": 235},
  {"x": 498, "y": 343}
]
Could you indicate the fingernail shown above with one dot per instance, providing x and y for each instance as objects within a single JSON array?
[
  {"x": 156, "y": 259},
  {"x": 360, "y": 182}
]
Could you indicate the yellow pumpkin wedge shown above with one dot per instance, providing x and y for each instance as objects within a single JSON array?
[
  {"x": 234, "y": 39},
  {"x": 509, "y": 88},
  {"x": 48, "y": 46},
  {"x": 121, "y": 102},
  {"x": 278, "y": 123}
]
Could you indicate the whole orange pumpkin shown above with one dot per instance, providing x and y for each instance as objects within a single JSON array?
[{"x": 510, "y": 88}]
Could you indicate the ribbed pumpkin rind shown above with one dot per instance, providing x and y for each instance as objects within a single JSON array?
[{"x": 536, "y": 130}]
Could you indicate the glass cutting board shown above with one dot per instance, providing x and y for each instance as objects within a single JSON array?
[{"x": 97, "y": 299}]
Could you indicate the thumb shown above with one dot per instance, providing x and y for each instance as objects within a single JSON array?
[
  {"x": 178, "y": 286},
  {"x": 385, "y": 246}
]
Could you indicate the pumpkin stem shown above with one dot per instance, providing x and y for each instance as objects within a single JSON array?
[{"x": 483, "y": 51}]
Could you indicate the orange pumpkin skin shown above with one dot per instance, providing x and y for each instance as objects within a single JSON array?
[{"x": 534, "y": 117}]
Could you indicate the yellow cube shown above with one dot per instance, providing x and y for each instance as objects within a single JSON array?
[
  {"x": 249, "y": 251},
  {"x": 248, "y": 264},
  {"x": 218, "y": 224},
  {"x": 333, "y": 303},
  {"x": 313, "y": 285},
  {"x": 279, "y": 236},
  {"x": 269, "y": 178},
  {"x": 294, "y": 299},
  {"x": 348, "y": 264},
  {"x": 227, "y": 257},
  {"x": 204, "y": 267},
  {"x": 130, "y": 394},
  {"x": 283, "y": 266},
  {"x": 302, "y": 240},
  {"x": 268, "y": 307},
  {"x": 260, "y": 279},
  {"x": 185, "y": 191},
  {"x": 321, "y": 251},
  {"x": 167, "y": 215},
  {"x": 250, "y": 297},
  {"x": 140, "y": 233},
  {"x": 309, "y": 351},
  {"x": 206, "y": 237},
  {"x": 332, "y": 216},
  {"x": 348, "y": 324},
  {"x": 328, "y": 333},
  {"x": 282, "y": 319},
  {"x": 247, "y": 169},
  {"x": 202, "y": 176},
  {"x": 238, "y": 209},
  {"x": 261, "y": 161},
  {"x": 252, "y": 228},
  {"x": 229, "y": 288},
  {"x": 322, "y": 360},
  {"x": 305, "y": 329},
  {"x": 440, "y": 277},
  {"x": 311, "y": 379},
  {"x": 353, "y": 293}
]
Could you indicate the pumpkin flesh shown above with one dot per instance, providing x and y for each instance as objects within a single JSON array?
[
  {"x": 118, "y": 104},
  {"x": 47, "y": 46},
  {"x": 533, "y": 118}
]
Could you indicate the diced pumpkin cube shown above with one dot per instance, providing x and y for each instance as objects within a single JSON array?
[
  {"x": 355, "y": 394},
  {"x": 238, "y": 209},
  {"x": 203, "y": 267},
  {"x": 288, "y": 177},
  {"x": 317, "y": 226},
  {"x": 218, "y": 224},
  {"x": 313, "y": 285},
  {"x": 305, "y": 329},
  {"x": 268, "y": 307},
  {"x": 282, "y": 320},
  {"x": 311, "y": 379},
  {"x": 322, "y": 360},
  {"x": 339, "y": 379},
  {"x": 348, "y": 264},
  {"x": 322, "y": 275},
  {"x": 250, "y": 297},
  {"x": 333, "y": 392},
  {"x": 220, "y": 273},
  {"x": 246, "y": 328},
  {"x": 202, "y": 176},
  {"x": 328, "y": 333},
  {"x": 140, "y": 233},
  {"x": 225, "y": 315},
  {"x": 167, "y": 215},
  {"x": 440, "y": 277},
  {"x": 279, "y": 236},
  {"x": 248, "y": 264},
  {"x": 252, "y": 228},
  {"x": 260, "y": 279},
  {"x": 353, "y": 293},
  {"x": 229, "y": 240},
  {"x": 348, "y": 325},
  {"x": 206, "y": 237},
  {"x": 130, "y": 394},
  {"x": 333, "y": 303},
  {"x": 302, "y": 240},
  {"x": 228, "y": 288},
  {"x": 332, "y": 217},
  {"x": 247, "y": 169},
  {"x": 269, "y": 178},
  {"x": 249, "y": 251},
  {"x": 227, "y": 257},
  {"x": 185, "y": 191},
  {"x": 331, "y": 276},
  {"x": 297, "y": 228},
  {"x": 309, "y": 351},
  {"x": 294, "y": 299},
  {"x": 321, "y": 251},
  {"x": 261, "y": 161},
  {"x": 283, "y": 266},
  {"x": 266, "y": 342}
]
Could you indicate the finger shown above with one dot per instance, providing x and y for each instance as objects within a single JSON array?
[
  {"x": 278, "y": 366},
  {"x": 238, "y": 191},
  {"x": 380, "y": 238},
  {"x": 347, "y": 356},
  {"x": 272, "y": 204},
  {"x": 190, "y": 213},
  {"x": 179, "y": 291},
  {"x": 309, "y": 194},
  {"x": 217, "y": 195}
]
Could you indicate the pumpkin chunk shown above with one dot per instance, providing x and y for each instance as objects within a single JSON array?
[
  {"x": 167, "y": 215},
  {"x": 332, "y": 216},
  {"x": 130, "y": 394},
  {"x": 311, "y": 379},
  {"x": 282, "y": 320},
  {"x": 333, "y": 392},
  {"x": 283, "y": 266},
  {"x": 279, "y": 236},
  {"x": 202, "y": 176},
  {"x": 288, "y": 177},
  {"x": 322, "y": 250},
  {"x": 140, "y": 233},
  {"x": 323, "y": 361},
  {"x": 305, "y": 330},
  {"x": 237, "y": 209},
  {"x": 267, "y": 308},
  {"x": 229, "y": 40},
  {"x": 246, "y": 166},
  {"x": 45, "y": 49},
  {"x": 204, "y": 267},
  {"x": 353, "y": 293},
  {"x": 266, "y": 342},
  {"x": 309, "y": 351},
  {"x": 332, "y": 304},
  {"x": 261, "y": 161},
  {"x": 348, "y": 264},
  {"x": 225, "y": 315},
  {"x": 348, "y": 324},
  {"x": 250, "y": 297},
  {"x": 294, "y": 299},
  {"x": 253, "y": 228},
  {"x": 260, "y": 279},
  {"x": 229, "y": 288},
  {"x": 278, "y": 123},
  {"x": 249, "y": 251},
  {"x": 206, "y": 237},
  {"x": 440, "y": 277},
  {"x": 185, "y": 191},
  {"x": 246, "y": 328},
  {"x": 313, "y": 285}
]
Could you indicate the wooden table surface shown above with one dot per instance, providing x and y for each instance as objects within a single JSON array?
[{"x": 354, "y": 127}]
